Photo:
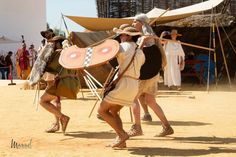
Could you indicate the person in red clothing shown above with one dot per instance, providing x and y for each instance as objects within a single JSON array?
[
  {"x": 9, "y": 62},
  {"x": 22, "y": 58}
]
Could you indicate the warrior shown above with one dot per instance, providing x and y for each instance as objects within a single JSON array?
[
  {"x": 65, "y": 83},
  {"x": 130, "y": 60},
  {"x": 154, "y": 61}
]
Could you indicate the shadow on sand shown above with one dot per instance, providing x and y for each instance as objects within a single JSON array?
[
  {"x": 205, "y": 140},
  {"x": 91, "y": 135},
  {"x": 176, "y": 123},
  {"x": 152, "y": 152}
]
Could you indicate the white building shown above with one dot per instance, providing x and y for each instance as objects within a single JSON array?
[{"x": 22, "y": 17}]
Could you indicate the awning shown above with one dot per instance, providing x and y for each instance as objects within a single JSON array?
[
  {"x": 84, "y": 39},
  {"x": 101, "y": 24}
]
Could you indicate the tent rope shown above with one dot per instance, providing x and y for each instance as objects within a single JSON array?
[{"x": 231, "y": 44}]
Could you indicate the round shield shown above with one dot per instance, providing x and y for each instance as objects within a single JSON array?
[{"x": 79, "y": 58}]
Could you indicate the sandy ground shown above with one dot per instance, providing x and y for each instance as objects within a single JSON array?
[{"x": 204, "y": 124}]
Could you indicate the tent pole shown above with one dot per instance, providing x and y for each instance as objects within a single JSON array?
[
  {"x": 214, "y": 46},
  {"x": 209, "y": 56},
  {"x": 223, "y": 53},
  {"x": 153, "y": 21},
  {"x": 228, "y": 37},
  {"x": 67, "y": 30},
  {"x": 70, "y": 41}
]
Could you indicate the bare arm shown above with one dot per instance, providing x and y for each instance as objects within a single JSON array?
[{"x": 162, "y": 35}]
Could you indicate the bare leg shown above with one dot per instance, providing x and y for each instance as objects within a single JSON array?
[
  {"x": 143, "y": 104},
  {"x": 56, "y": 124},
  {"x": 146, "y": 116},
  {"x": 136, "y": 111},
  {"x": 109, "y": 113},
  {"x": 151, "y": 102},
  {"x": 45, "y": 102},
  {"x": 136, "y": 129},
  {"x": 115, "y": 113},
  {"x": 104, "y": 111},
  {"x": 57, "y": 103}
]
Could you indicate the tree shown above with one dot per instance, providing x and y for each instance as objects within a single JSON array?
[
  {"x": 58, "y": 31},
  {"x": 47, "y": 26}
]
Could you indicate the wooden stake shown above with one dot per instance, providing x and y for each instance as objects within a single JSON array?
[
  {"x": 187, "y": 44},
  {"x": 223, "y": 53},
  {"x": 153, "y": 21},
  {"x": 214, "y": 46}
]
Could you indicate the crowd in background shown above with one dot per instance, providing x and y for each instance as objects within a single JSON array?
[{"x": 24, "y": 60}]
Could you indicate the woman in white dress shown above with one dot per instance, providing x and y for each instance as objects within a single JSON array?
[
  {"x": 126, "y": 89},
  {"x": 175, "y": 61}
]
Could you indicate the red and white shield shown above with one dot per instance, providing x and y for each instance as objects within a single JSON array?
[{"x": 79, "y": 58}]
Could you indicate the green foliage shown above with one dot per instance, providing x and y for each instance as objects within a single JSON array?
[
  {"x": 47, "y": 26},
  {"x": 60, "y": 32}
]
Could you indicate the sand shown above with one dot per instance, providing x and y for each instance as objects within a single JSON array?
[{"x": 204, "y": 124}]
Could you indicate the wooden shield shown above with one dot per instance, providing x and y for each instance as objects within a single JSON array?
[{"x": 79, "y": 58}]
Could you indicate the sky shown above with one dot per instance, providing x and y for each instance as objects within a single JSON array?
[{"x": 69, "y": 7}]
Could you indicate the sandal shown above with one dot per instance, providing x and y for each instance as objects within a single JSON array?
[
  {"x": 64, "y": 121},
  {"x": 54, "y": 128},
  {"x": 120, "y": 141},
  {"x": 147, "y": 117},
  {"x": 99, "y": 117},
  {"x": 166, "y": 131},
  {"x": 123, "y": 145},
  {"x": 179, "y": 89},
  {"x": 135, "y": 130}
]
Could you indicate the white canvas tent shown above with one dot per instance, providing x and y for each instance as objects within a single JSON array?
[
  {"x": 5, "y": 40},
  {"x": 102, "y": 24}
]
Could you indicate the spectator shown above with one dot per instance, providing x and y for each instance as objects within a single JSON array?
[
  {"x": 43, "y": 43},
  {"x": 32, "y": 55},
  {"x": 9, "y": 62},
  {"x": 175, "y": 60},
  {"x": 22, "y": 58},
  {"x": 3, "y": 67}
]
